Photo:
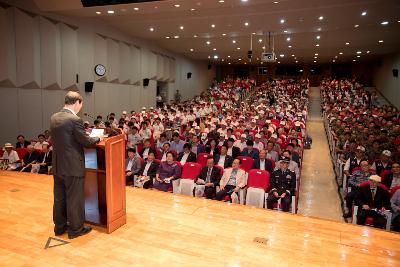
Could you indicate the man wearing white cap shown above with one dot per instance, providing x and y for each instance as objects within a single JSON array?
[
  {"x": 354, "y": 162},
  {"x": 241, "y": 143},
  {"x": 383, "y": 163},
  {"x": 257, "y": 143},
  {"x": 10, "y": 159},
  {"x": 372, "y": 200}
]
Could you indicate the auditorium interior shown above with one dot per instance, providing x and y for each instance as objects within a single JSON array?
[{"x": 257, "y": 128}]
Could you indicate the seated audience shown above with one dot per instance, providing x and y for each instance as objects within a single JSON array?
[
  {"x": 177, "y": 143},
  {"x": 233, "y": 151},
  {"x": 392, "y": 179},
  {"x": 22, "y": 143},
  {"x": 39, "y": 144},
  {"x": 187, "y": 155},
  {"x": 383, "y": 163},
  {"x": 395, "y": 202},
  {"x": 167, "y": 171},
  {"x": 132, "y": 165},
  {"x": 148, "y": 171},
  {"x": 223, "y": 159},
  {"x": 31, "y": 157},
  {"x": 209, "y": 177},
  {"x": 146, "y": 149},
  {"x": 262, "y": 163},
  {"x": 45, "y": 158},
  {"x": 249, "y": 151},
  {"x": 10, "y": 159},
  {"x": 232, "y": 181}
]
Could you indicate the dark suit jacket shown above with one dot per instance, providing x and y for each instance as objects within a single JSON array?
[
  {"x": 29, "y": 158},
  {"x": 152, "y": 170},
  {"x": 48, "y": 159},
  {"x": 191, "y": 158},
  {"x": 208, "y": 150},
  {"x": 18, "y": 144},
  {"x": 235, "y": 152},
  {"x": 268, "y": 165},
  {"x": 150, "y": 150},
  {"x": 69, "y": 138},
  {"x": 214, "y": 177},
  {"x": 227, "y": 163},
  {"x": 387, "y": 180},
  {"x": 364, "y": 197}
]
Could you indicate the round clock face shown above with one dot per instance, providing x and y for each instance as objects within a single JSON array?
[{"x": 100, "y": 69}]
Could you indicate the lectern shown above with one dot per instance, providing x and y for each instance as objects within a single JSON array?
[{"x": 105, "y": 200}]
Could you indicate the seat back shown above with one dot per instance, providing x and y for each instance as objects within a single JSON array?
[
  {"x": 21, "y": 152},
  {"x": 202, "y": 158},
  {"x": 191, "y": 170},
  {"x": 141, "y": 161},
  {"x": 221, "y": 170},
  {"x": 272, "y": 162},
  {"x": 384, "y": 173},
  {"x": 247, "y": 163},
  {"x": 258, "y": 179}
]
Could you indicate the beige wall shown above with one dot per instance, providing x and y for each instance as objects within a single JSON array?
[{"x": 41, "y": 54}]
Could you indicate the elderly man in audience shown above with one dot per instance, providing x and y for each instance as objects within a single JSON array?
[
  {"x": 146, "y": 149},
  {"x": 283, "y": 185},
  {"x": 187, "y": 155},
  {"x": 45, "y": 158},
  {"x": 134, "y": 137},
  {"x": 372, "y": 200},
  {"x": 148, "y": 172},
  {"x": 392, "y": 179},
  {"x": 223, "y": 159},
  {"x": 262, "y": 163},
  {"x": 357, "y": 178},
  {"x": 232, "y": 181},
  {"x": 167, "y": 171},
  {"x": 383, "y": 163},
  {"x": 209, "y": 178},
  {"x": 10, "y": 159},
  {"x": 395, "y": 203},
  {"x": 31, "y": 157},
  {"x": 22, "y": 143},
  {"x": 271, "y": 153},
  {"x": 249, "y": 151},
  {"x": 165, "y": 149},
  {"x": 177, "y": 143},
  {"x": 132, "y": 165},
  {"x": 353, "y": 162},
  {"x": 293, "y": 166},
  {"x": 233, "y": 151}
]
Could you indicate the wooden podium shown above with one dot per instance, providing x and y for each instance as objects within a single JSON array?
[{"x": 105, "y": 199}]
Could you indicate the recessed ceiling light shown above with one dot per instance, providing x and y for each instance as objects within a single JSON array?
[
  {"x": 238, "y": 48},
  {"x": 297, "y": 61},
  {"x": 318, "y": 37},
  {"x": 222, "y": 60},
  {"x": 288, "y": 39},
  {"x": 221, "y": 1},
  {"x": 354, "y": 60},
  {"x": 191, "y": 49},
  {"x": 229, "y": 63},
  {"x": 282, "y": 55},
  {"x": 385, "y": 22},
  {"x": 177, "y": 5},
  {"x": 136, "y": 8},
  {"x": 208, "y": 42},
  {"x": 110, "y": 11},
  {"x": 292, "y": 55},
  {"x": 358, "y": 56},
  {"x": 98, "y": 12},
  {"x": 246, "y": 24},
  {"x": 260, "y": 40},
  {"x": 333, "y": 61},
  {"x": 234, "y": 41},
  {"x": 356, "y": 26},
  {"x": 263, "y": 47},
  {"x": 315, "y": 61},
  {"x": 167, "y": 37},
  {"x": 319, "y": 29},
  {"x": 368, "y": 52},
  {"x": 181, "y": 27},
  {"x": 195, "y": 36},
  {"x": 316, "y": 54},
  {"x": 279, "y": 62},
  {"x": 398, "y": 21},
  {"x": 156, "y": 7},
  {"x": 152, "y": 29},
  {"x": 347, "y": 43},
  {"x": 317, "y": 45},
  {"x": 253, "y": 33},
  {"x": 192, "y": 9},
  {"x": 123, "y": 9},
  {"x": 282, "y": 21},
  {"x": 364, "y": 13},
  {"x": 276, "y": 2},
  {"x": 359, "y": 52},
  {"x": 212, "y": 25},
  {"x": 176, "y": 36},
  {"x": 289, "y": 46},
  {"x": 215, "y": 57},
  {"x": 340, "y": 53},
  {"x": 285, "y": 31},
  {"x": 224, "y": 34},
  {"x": 229, "y": 56},
  {"x": 335, "y": 56},
  {"x": 240, "y": 59},
  {"x": 215, "y": 49},
  {"x": 321, "y": 18},
  {"x": 380, "y": 41},
  {"x": 315, "y": 57},
  {"x": 243, "y": 0}
]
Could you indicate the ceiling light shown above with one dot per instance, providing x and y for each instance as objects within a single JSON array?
[
  {"x": 152, "y": 29},
  {"x": 243, "y": 0},
  {"x": 354, "y": 60},
  {"x": 282, "y": 21},
  {"x": 319, "y": 29},
  {"x": 335, "y": 56},
  {"x": 254, "y": 33},
  {"x": 356, "y": 26},
  {"x": 136, "y": 8},
  {"x": 282, "y": 55},
  {"x": 229, "y": 56},
  {"x": 260, "y": 40},
  {"x": 240, "y": 59},
  {"x": 364, "y": 13},
  {"x": 340, "y": 53},
  {"x": 208, "y": 42},
  {"x": 238, "y": 48},
  {"x": 212, "y": 25},
  {"x": 215, "y": 57},
  {"x": 229, "y": 63},
  {"x": 333, "y": 61},
  {"x": 318, "y": 37},
  {"x": 110, "y": 11},
  {"x": 358, "y": 56},
  {"x": 289, "y": 46},
  {"x": 317, "y": 45},
  {"x": 316, "y": 54},
  {"x": 195, "y": 36},
  {"x": 263, "y": 47},
  {"x": 315, "y": 57},
  {"x": 166, "y": 37},
  {"x": 276, "y": 2},
  {"x": 123, "y": 9},
  {"x": 222, "y": 60},
  {"x": 191, "y": 49},
  {"x": 368, "y": 52},
  {"x": 215, "y": 49},
  {"x": 380, "y": 41},
  {"x": 98, "y": 12},
  {"x": 181, "y": 27},
  {"x": 176, "y": 36},
  {"x": 224, "y": 34},
  {"x": 177, "y": 5},
  {"x": 315, "y": 61},
  {"x": 292, "y": 55},
  {"x": 234, "y": 41},
  {"x": 359, "y": 52},
  {"x": 297, "y": 61},
  {"x": 321, "y": 18},
  {"x": 246, "y": 24},
  {"x": 221, "y": 1},
  {"x": 192, "y": 9},
  {"x": 285, "y": 31},
  {"x": 279, "y": 62},
  {"x": 288, "y": 39},
  {"x": 347, "y": 43},
  {"x": 385, "y": 22},
  {"x": 209, "y": 56}
]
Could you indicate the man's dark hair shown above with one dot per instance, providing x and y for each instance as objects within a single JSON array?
[
  {"x": 187, "y": 145},
  {"x": 71, "y": 97},
  {"x": 249, "y": 143},
  {"x": 20, "y": 136},
  {"x": 175, "y": 134},
  {"x": 41, "y": 135},
  {"x": 131, "y": 149}
]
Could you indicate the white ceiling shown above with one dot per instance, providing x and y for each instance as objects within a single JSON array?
[{"x": 301, "y": 23}]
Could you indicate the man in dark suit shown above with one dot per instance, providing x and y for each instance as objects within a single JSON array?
[
  {"x": 210, "y": 177},
  {"x": 147, "y": 149},
  {"x": 30, "y": 158},
  {"x": 132, "y": 165},
  {"x": 372, "y": 200},
  {"x": 148, "y": 171},
  {"x": 263, "y": 163},
  {"x": 187, "y": 155},
  {"x": 223, "y": 159},
  {"x": 22, "y": 143},
  {"x": 69, "y": 138},
  {"x": 45, "y": 159},
  {"x": 233, "y": 151}
]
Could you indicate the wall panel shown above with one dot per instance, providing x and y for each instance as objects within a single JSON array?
[
  {"x": 53, "y": 101},
  {"x": 166, "y": 68},
  {"x": 8, "y": 67},
  {"x": 152, "y": 65},
  {"x": 124, "y": 63},
  {"x": 136, "y": 65},
  {"x": 172, "y": 70},
  {"x": 160, "y": 68},
  {"x": 30, "y": 116},
  {"x": 113, "y": 60},
  {"x": 69, "y": 56},
  {"x": 100, "y": 55},
  {"x": 10, "y": 127}
]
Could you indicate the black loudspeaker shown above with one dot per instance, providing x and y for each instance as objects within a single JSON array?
[
  {"x": 395, "y": 72},
  {"x": 146, "y": 82},
  {"x": 88, "y": 87},
  {"x": 209, "y": 66},
  {"x": 189, "y": 75}
]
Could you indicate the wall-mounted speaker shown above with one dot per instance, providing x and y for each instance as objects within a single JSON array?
[
  {"x": 189, "y": 75},
  {"x": 395, "y": 72},
  {"x": 209, "y": 67},
  {"x": 146, "y": 82},
  {"x": 88, "y": 87}
]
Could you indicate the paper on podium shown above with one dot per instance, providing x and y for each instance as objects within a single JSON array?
[{"x": 97, "y": 133}]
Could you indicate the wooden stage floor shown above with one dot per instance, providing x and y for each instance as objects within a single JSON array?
[{"x": 168, "y": 230}]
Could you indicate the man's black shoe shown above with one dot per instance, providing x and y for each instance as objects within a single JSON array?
[
  {"x": 61, "y": 231},
  {"x": 85, "y": 230}
]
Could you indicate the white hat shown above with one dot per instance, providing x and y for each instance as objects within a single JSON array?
[
  {"x": 242, "y": 136},
  {"x": 151, "y": 108},
  {"x": 274, "y": 136},
  {"x": 361, "y": 148},
  {"x": 375, "y": 178},
  {"x": 45, "y": 143},
  {"x": 387, "y": 153},
  {"x": 124, "y": 112},
  {"x": 8, "y": 145},
  {"x": 257, "y": 136},
  {"x": 268, "y": 121},
  {"x": 86, "y": 122},
  {"x": 283, "y": 123},
  {"x": 297, "y": 123},
  {"x": 143, "y": 107},
  {"x": 197, "y": 128}
]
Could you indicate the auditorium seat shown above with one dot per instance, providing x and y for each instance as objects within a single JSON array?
[
  {"x": 202, "y": 158},
  {"x": 247, "y": 163},
  {"x": 190, "y": 171},
  {"x": 257, "y": 185},
  {"x": 21, "y": 152}
]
